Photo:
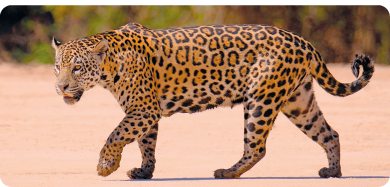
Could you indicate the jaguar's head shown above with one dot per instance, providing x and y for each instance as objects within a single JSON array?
[{"x": 77, "y": 67}]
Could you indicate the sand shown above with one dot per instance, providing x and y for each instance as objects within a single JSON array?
[{"x": 44, "y": 142}]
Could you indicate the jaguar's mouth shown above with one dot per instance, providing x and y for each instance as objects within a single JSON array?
[
  {"x": 66, "y": 96},
  {"x": 72, "y": 99}
]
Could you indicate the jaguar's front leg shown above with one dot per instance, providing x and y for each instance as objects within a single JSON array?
[
  {"x": 147, "y": 146},
  {"x": 132, "y": 127}
]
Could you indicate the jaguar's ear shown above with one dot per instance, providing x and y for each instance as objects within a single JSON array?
[
  {"x": 100, "y": 50},
  {"x": 55, "y": 43}
]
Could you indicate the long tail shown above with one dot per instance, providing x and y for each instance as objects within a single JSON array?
[{"x": 326, "y": 80}]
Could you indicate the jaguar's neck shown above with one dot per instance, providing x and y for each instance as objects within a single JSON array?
[{"x": 129, "y": 52}]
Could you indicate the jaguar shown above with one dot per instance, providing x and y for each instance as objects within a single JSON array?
[{"x": 157, "y": 73}]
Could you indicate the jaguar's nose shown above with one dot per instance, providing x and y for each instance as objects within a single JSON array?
[{"x": 63, "y": 87}]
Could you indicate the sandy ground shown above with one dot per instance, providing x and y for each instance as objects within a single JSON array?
[{"x": 44, "y": 142}]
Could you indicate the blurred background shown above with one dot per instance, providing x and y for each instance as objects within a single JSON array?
[{"x": 338, "y": 32}]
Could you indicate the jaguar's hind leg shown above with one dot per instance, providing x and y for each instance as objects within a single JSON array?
[{"x": 301, "y": 108}]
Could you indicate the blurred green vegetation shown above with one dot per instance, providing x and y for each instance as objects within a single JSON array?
[{"x": 338, "y": 32}]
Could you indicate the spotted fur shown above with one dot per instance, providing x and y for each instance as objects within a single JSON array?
[{"x": 155, "y": 73}]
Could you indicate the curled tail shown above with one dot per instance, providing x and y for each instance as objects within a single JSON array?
[{"x": 326, "y": 80}]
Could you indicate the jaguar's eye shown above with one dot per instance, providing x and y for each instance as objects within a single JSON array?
[
  {"x": 58, "y": 67},
  {"x": 77, "y": 67}
]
